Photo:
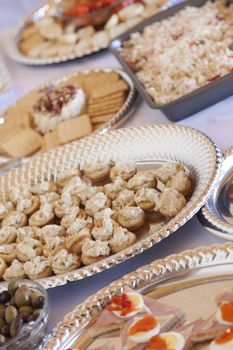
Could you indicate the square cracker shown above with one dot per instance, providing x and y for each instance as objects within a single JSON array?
[
  {"x": 119, "y": 102},
  {"x": 109, "y": 97},
  {"x": 113, "y": 109},
  {"x": 102, "y": 118},
  {"x": 108, "y": 89},
  {"x": 98, "y": 126},
  {"x": 74, "y": 129},
  {"x": 50, "y": 141},
  {"x": 21, "y": 143}
]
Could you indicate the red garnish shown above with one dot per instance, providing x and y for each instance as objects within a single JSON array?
[
  {"x": 176, "y": 36},
  {"x": 226, "y": 337},
  {"x": 227, "y": 311},
  {"x": 144, "y": 325},
  {"x": 121, "y": 303},
  {"x": 157, "y": 343},
  {"x": 214, "y": 77},
  {"x": 220, "y": 18},
  {"x": 84, "y": 7}
]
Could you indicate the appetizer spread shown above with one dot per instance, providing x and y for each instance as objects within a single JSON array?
[
  {"x": 54, "y": 37},
  {"x": 61, "y": 113},
  {"x": 198, "y": 42},
  {"x": 85, "y": 216},
  {"x": 132, "y": 321}
]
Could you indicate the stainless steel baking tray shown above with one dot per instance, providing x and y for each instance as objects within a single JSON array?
[
  {"x": 146, "y": 145},
  {"x": 186, "y": 105},
  {"x": 193, "y": 277},
  {"x": 217, "y": 214}
]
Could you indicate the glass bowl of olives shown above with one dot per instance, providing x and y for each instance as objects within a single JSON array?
[{"x": 23, "y": 315}]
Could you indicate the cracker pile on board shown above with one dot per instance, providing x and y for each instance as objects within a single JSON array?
[{"x": 105, "y": 94}]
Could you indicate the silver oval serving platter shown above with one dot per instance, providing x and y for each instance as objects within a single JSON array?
[
  {"x": 193, "y": 277},
  {"x": 49, "y": 9},
  {"x": 217, "y": 214},
  {"x": 148, "y": 146}
]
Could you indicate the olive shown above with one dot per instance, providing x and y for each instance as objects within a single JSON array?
[
  {"x": 5, "y": 297},
  {"x": 36, "y": 313},
  {"x": 5, "y": 330},
  {"x": 15, "y": 327},
  {"x": 24, "y": 316},
  {"x": 12, "y": 287},
  {"x": 2, "y": 322},
  {"x": 23, "y": 288},
  {"x": 231, "y": 47},
  {"x": 27, "y": 309},
  {"x": 22, "y": 298},
  {"x": 12, "y": 301},
  {"x": 2, "y": 340},
  {"x": 2, "y": 311},
  {"x": 11, "y": 314},
  {"x": 38, "y": 303},
  {"x": 35, "y": 295},
  {"x": 30, "y": 318}
]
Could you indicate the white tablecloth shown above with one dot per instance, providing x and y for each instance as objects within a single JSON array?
[{"x": 216, "y": 122}]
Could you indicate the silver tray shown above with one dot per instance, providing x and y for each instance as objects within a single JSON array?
[
  {"x": 193, "y": 276},
  {"x": 38, "y": 13},
  {"x": 148, "y": 146},
  {"x": 122, "y": 115},
  {"x": 217, "y": 214}
]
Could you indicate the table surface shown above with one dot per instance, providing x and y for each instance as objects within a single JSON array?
[{"x": 215, "y": 121}]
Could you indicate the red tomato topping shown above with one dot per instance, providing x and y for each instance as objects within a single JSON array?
[
  {"x": 83, "y": 7},
  {"x": 220, "y": 18},
  {"x": 227, "y": 311},
  {"x": 121, "y": 303},
  {"x": 226, "y": 337},
  {"x": 144, "y": 325},
  {"x": 157, "y": 343}
]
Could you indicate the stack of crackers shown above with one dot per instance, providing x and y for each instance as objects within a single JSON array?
[{"x": 106, "y": 93}]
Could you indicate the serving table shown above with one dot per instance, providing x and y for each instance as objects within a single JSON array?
[{"x": 215, "y": 121}]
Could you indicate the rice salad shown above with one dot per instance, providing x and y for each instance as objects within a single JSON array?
[{"x": 184, "y": 52}]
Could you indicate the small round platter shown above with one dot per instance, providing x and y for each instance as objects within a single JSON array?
[
  {"x": 193, "y": 277},
  {"x": 217, "y": 214},
  {"x": 64, "y": 48},
  {"x": 19, "y": 116},
  {"x": 149, "y": 147}
]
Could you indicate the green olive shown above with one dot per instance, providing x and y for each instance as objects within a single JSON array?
[
  {"x": 15, "y": 327},
  {"x": 2, "y": 311},
  {"x": 2, "y": 340},
  {"x": 36, "y": 313},
  {"x": 12, "y": 287},
  {"x": 22, "y": 298},
  {"x": 11, "y": 314},
  {"x": 27, "y": 309},
  {"x": 12, "y": 301}
]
